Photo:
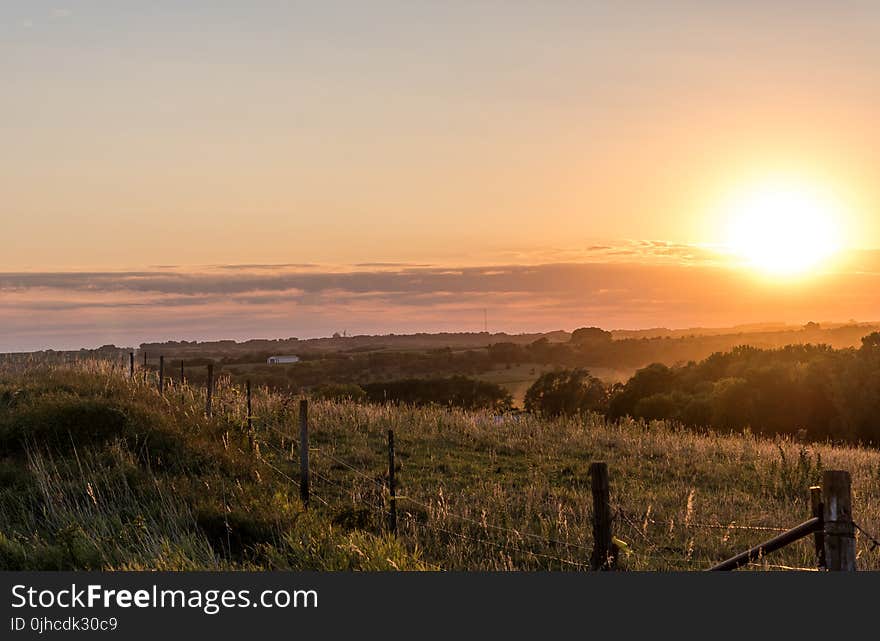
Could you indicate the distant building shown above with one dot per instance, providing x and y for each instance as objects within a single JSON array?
[{"x": 278, "y": 360}]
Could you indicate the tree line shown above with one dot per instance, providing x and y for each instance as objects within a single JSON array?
[{"x": 811, "y": 390}]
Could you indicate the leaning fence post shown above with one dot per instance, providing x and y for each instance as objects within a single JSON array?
[
  {"x": 209, "y": 394},
  {"x": 304, "y": 451},
  {"x": 819, "y": 535},
  {"x": 840, "y": 542},
  {"x": 131, "y": 364},
  {"x": 604, "y": 553},
  {"x": 392, "y": 489},
  {"x": 161, "y": 374}
]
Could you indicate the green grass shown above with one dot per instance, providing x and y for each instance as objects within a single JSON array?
[{"x": 100, "y": 472}]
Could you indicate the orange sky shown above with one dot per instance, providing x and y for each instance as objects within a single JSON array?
[
  {"x": 486, "y": 134},
  {"x": 203, "y": 135},
  {"x": 628, "y": 286}
]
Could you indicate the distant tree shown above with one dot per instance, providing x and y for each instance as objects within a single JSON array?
[
  {"x": 590, "y": 335},
  {"x": 569, "y": 391},
  {"x": 731, "y": 403},
  {"x": 651, "y": 380},
  {"x": 658, "y": 406},
  {"x": 871, "y": 343}
]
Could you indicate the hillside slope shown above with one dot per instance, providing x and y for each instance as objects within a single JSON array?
[{"x": 99, "y": 471}]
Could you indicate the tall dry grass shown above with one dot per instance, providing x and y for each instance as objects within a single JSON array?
[{"x": 477, "y": 491}]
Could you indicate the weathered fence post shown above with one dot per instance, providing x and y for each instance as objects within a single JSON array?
[
  {"x": 145, "y": 367},
  {"x": 131, "y": 364},
  {"x": 161, "y": 374},
  {"x": 209, "y": 394},
  {"x": 840, "y": 542},
  {"x": 181, "y": 371},
  {"x": 304, "y": 451},
  {"x": 392, "y": 489},
  {"x": 604, "y": 553},
  {"x": 819, "y": 535}
]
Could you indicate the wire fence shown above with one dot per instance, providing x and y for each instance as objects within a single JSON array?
[{"x": 518, "y": 539}]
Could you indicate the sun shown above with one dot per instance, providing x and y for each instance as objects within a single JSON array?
[{"x": 782, "y": 229}]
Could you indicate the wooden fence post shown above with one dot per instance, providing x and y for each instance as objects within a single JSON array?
[
  {"x": 392, "y": 489},
  {"x": 304, "y": 451},
  {"x": 131, "y": 364},
  {"x": 161, "y": 374},
  {"x": 819, "y": 535},
  {"x": 840, "y": 542},
  {"x": 209, "y": 394},
  {"x": 181, "y": 371},
  {"x": 604, "y": 551},
  {"x": 145, "y": 367}
]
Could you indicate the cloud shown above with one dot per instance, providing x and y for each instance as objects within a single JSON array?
[
  {"x": 639, "y": 251},
  {"x": 665, "y": 285}
]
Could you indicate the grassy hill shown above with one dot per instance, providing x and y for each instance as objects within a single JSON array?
[{"x": 99, "y": 471}]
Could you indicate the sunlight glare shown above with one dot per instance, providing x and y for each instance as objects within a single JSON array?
[{"x": 784, "y": 230}]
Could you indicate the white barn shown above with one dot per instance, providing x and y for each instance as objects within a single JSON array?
[{"x": 278, "y": 360}]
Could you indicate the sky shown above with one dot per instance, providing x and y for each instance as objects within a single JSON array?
[{"x": 208, "y": 142}]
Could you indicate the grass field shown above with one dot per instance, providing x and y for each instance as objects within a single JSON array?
[{"x": 97, "y": 471}]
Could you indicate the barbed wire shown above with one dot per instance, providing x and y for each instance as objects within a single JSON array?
[
  {"x": 733, "y": 526},
  {"x": 364, "y": 475},
  {"x": 717, "y": 526},
  {"x": 287, "y": 477},
  {"x": 653, "y": 546},
  {"x": 318, "y": 475},
  {"x": 282, "y": 434},
  {"x": 665, "y": 522},
  {"x": 519, "y": 534},
  {"x": 529, "y": 535},
  {"x": 874, "y": 542},
  {"x": 492, "y": 526},
  {"x": 783, "y": 567},
  {"x": 500, "y": 545},
  {"x": 483, "y": 524}
]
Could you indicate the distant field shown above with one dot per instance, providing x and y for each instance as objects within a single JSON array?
[
  {"x": 101, "y": 472},
  {"x": 518, "y": 378}
]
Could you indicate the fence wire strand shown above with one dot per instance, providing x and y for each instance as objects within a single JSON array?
[
  {"x": 484, "y": 525},
  {"x": 503, "y": 545},
  {"x": 491, "y": 526},
  {"x": 523, "y": 534},
  {"x": 874, "y": 542},
  {"x": 520, "y": 536}
]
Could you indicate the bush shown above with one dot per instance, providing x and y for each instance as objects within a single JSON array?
[{"x": 566, "y": 392}]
